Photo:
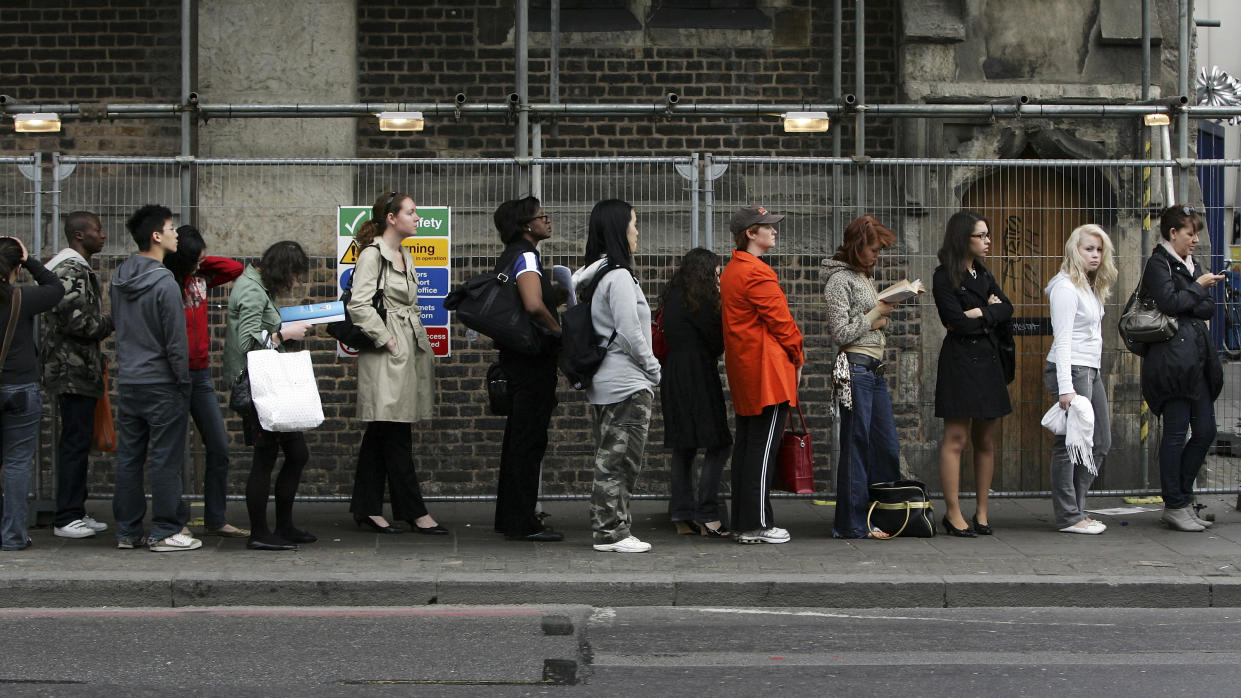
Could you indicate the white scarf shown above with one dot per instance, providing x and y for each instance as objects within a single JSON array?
[
  {"x": 1077, "y": 428},
  {"x": 1187, "y": 261}
]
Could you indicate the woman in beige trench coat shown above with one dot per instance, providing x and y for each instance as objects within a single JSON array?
[{"x": 396, "y": 376}]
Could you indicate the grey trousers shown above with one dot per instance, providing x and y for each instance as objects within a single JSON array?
[{"x": 1070, "y": 483}]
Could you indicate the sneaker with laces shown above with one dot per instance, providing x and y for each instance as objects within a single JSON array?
[
  {"x": 96, "y": 526},
  {"x": 764, "y": 535},
  {"x": 625, "y": 545},
  {"x": 176, "y": 543},
  {"x": 74, "y": 529},
  {"x": 126, "y": 544}
]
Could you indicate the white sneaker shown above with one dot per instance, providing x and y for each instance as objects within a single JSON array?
[
  {"x": 1086, "y": 526},
  {"x": 94, "y": 525},
  {"x": 626, "y": 545},
  {"x": 74, "y": 529},
  {"x": 764, "y": 535},
  {"x": 175, "y": 543}
]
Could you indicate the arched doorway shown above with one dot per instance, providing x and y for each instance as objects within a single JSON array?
[{"x": 1032, "y": 212}]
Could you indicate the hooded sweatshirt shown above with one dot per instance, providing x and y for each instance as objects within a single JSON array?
[
  {"x": 620, "y": 305},
  {"x": 1077, "y": 329},
  {"x": 151, "y": 343}
]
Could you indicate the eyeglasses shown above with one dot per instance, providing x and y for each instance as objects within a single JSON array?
[
  {"x": 981, "y": 236},
  {"x": 1188, "y": 210},
  {"x": 391, "y": 196},
  {"x": 545, "y": 218}
]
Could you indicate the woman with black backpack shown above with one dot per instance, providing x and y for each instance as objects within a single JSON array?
[
  {"x": 531, "y": 377},
  {"x": 622, "y": 390}
]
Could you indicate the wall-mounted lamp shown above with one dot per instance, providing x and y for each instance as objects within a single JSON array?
[
  {"x": 1156, "y": 119},
  {"x": 36, "y": 123},
  {"x": 401, "y": 121},
  {"x": 806, "y": 122}
]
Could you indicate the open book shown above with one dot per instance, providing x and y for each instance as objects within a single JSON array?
[{"x": 902, "y": 290}]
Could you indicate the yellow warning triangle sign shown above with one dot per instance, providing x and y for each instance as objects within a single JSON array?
[{"x": 351, "y": 254}]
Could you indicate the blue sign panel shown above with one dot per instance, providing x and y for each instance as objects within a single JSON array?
[
  {"x": 432, "y": 281},
  {"x": 432, "y": 310}
]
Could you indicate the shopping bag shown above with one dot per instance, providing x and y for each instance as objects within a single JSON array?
[{"x": 283, "y": 388}]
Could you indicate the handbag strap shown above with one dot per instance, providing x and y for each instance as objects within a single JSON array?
[
  {"x": 1142, "y": 279},
  {"x": 899, "y": 531},
  {"x": 15, "y": 305},
  {"x": 789, "y": 423}
]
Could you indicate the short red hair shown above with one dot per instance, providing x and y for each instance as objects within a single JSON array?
[{"x": 861, "y": 234}]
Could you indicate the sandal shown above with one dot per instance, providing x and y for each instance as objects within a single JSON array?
[
  {"x": 878, "y": 534},
  {"x": 718, "y": 532},
  {"x": 686, "y": 528}
]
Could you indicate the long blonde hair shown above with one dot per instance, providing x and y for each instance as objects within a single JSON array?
[{"x": 1075, "y": 267}]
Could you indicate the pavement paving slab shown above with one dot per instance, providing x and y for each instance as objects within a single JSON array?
[{"x": 1136, "y": 563}]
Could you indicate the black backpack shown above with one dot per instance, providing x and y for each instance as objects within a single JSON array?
[
  {"x": 580, "y": 348},
  {"x": 345, "y": 331}
]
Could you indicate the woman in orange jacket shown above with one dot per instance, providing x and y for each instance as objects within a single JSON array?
[{"x": 763, "y": 355}]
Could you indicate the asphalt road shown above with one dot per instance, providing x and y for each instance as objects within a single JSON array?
[{"x": 526, "y": 650}]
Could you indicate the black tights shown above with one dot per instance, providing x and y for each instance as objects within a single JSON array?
[{"x": 258, "y": 486}]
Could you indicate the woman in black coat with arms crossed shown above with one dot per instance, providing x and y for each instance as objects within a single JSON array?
[{"x": 971, "y": 388}]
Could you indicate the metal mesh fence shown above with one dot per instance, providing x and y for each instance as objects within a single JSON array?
[{"x": 1032, "y": 204}]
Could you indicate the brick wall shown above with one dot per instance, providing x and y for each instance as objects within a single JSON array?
[
  {"x": 433, "y": 50},
  {"x": 92, "y": 51}
]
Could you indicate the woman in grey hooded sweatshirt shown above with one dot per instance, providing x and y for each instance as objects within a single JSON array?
[{"x": 622, "y": 391}]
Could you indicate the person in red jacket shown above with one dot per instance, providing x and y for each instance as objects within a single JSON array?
[
  {"x": 763, "y": 356},
  {"x": 196, "y": 272}
]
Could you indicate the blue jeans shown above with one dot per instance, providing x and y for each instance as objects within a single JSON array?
[
  {"x": 157, "y": 414},
  {"x": 205, "y": 409},
  {"x": 869, "y": 451},
  {"x": 21, "y": 405},
  {"x": 1181, "y": 459}
]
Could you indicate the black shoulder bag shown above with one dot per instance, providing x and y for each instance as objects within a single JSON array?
[
  {"x": 1142, "y": 323},
  {"x": 348, "y": 333}
]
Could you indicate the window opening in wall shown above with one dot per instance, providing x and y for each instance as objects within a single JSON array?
[
  {"x": 584, "y": 16},
  {"x": 707, "y": 14}
]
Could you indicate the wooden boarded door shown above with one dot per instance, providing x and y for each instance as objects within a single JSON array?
[{"x": 1032, "y": 212}]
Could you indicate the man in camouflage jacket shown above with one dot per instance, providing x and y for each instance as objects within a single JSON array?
[{"x": 73, "y": 368}]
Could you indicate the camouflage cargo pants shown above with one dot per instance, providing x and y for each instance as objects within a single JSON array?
[{"x": 620, "y": 437}]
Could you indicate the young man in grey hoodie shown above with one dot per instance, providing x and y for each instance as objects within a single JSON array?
[{"x": 153, "y": 387}]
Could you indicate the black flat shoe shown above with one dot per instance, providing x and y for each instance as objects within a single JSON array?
[
  {"x": 966, "y": 532},
  {"x": 296, "y": 535},
  {"x": 981, "y": 529},
  {"x": 720, "y": 532},
  {"x": 270, "y": 543},
  {"x": 369, "y": 522},
  {"x": 547, "y": 535},
  {"x": 436, "y": 530}
]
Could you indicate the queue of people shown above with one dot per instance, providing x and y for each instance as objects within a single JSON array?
[{"x": 708, "y": 309}]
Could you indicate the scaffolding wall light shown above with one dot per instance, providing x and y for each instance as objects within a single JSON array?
[
  {"x": 36, "y": 123},
  {"x": 806, "y": 122},
  {"x": 401, "y": 121},
  {"x": 1156, "y": 120}
]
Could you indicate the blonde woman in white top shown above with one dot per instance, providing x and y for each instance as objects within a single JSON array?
[{"x": 1076, "y": 296}]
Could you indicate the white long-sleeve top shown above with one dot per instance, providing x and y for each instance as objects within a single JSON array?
[{"x": 1077, "y": 329}]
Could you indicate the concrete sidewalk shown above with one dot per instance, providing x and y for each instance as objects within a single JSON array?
[{"x": 1136, "y": 563}]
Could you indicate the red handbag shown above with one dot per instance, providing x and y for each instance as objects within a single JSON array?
[
  {"x": 795, "y": 462},
  {"x": 659, "y": 343}
]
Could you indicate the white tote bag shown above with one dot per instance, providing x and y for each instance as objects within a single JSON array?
[{"x": 284, "y": 391}]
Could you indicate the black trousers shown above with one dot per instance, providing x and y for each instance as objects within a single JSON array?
[
  {"x": 77, "y": 429},
  {"x": 754, "y": 463},
  {"x": 385, "y": 455},
  {"x": 267, "y": 446},
  {"x": 532, "y": 383}
]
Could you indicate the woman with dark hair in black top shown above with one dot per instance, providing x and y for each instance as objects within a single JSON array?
[
  {"x": 971, "y": 391},
  {"x": 522, "y": 225},
  {"x": 21, "y": 403}
]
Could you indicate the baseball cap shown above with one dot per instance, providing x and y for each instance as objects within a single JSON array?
[{"x": 747, "y": 216}]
